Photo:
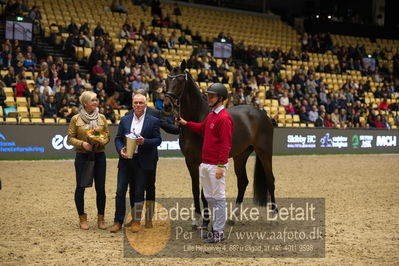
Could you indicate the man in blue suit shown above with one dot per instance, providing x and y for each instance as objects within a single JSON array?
[
  {"x": 150, "y": 190},
  {"x": 137, "y": 170}
]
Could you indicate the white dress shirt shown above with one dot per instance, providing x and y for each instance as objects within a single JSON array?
[{"x": 137, "y": 126}]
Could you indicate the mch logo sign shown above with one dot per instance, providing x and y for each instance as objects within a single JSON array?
[{"x": 386, "y": 141}]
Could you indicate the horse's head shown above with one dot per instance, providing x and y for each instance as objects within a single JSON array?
[{"x": 175, "y": 85}]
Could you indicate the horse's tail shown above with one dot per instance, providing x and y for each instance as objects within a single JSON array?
[{"x": 261, "y": 184}]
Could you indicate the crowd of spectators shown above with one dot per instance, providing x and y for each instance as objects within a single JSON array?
[{"x": 114, "y": 76}]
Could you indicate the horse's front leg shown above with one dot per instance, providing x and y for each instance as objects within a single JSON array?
[{"x": 194, "y": 173}]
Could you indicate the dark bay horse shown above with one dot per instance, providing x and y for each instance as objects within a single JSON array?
[{"x": 253, "y": 131}]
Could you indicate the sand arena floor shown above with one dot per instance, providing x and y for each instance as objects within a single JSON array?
[{"x": 39, "y": 224}]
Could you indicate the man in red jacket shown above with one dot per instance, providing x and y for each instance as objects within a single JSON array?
[{"x": 217, "y": 130}]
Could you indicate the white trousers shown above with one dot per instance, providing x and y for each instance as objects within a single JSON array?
[{"x": 215, "y": 193}]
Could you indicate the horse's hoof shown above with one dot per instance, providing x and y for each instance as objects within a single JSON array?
[{"x": 230, "y": 222}]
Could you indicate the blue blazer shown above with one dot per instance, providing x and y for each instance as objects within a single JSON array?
[{"x": 147, "y": 153}]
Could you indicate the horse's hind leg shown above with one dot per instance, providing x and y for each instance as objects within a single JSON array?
[
  {"x": 266, "y": 159},
  {"x": 240, "y": 162}
]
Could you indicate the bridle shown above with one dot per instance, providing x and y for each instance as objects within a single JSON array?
[{"x": 175, "y": 99}]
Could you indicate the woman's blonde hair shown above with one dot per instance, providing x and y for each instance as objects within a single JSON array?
[{"x": 86, "y": 97}]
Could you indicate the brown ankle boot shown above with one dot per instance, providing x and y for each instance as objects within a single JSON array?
[
  {"x": 136, "y": 215},
  {"x": 100, "y": 222},
  {"x": 135, "y": 226},
  {"x": 115, "y": 228},
  {"x": 83, "y": 222},
  {"x": 149, "y": 213}
]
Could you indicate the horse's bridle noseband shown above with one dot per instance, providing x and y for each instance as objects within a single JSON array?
[{"x": 171, "y": 94}]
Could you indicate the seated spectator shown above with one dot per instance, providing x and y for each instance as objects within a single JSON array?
[
  {"x": 113, "y": 101},
  {"x": 50, "y": 108},
  {"x": 80, "y": 40},
  {"x": 161, "y": 40},
  {"x": 73, "y": 28},
  {"x": 86, "y": 82},
  {"x": 36, "y": 17},
  {"x": 378, "y": 123},
  {"x": 6, "y": 59},
  {"x": 117, "y": 6},
  {"x": 383, "y": 105},
  {"x": 133, "y": 32},
  {"x": 311, "y": 85},
  {"x": 271, "y": 94},
  {"x": 63, "y": 109},
  {"x": 3, "y": 95},
  {"x": 257, "y": 101},
  {"x": 192, "y": 62},
  {"x": 182, "y": 39},
  {"x": 74, "y": 111},
  {"x": 320, "y": 120},
  {"x": 240, "y": 97},
  {"x": 72, "y": 98},
  {"x": 78, "y": 86},
  {"x": 54, "y": 79},
  {"x": 313, "y": 114},
  {"x": 124, "y": 34},
  {"x": 102, "y": 97},
  {"x": 29, "y": 63},
  {"x": 65, "y": 75},
  {"x": 21, "y": 88},
  {"x": 176, "y": 10},
  {"x": 89, "y": 40},
  {"x": 84, "y": 28},
  {"x": 385, "y": 122},
  {"x": 99, "y": 87},
  {"x": 290, "y": 109},
  {"x": 328, "y": 121},
  {"x": 98, "y": 72},
  {"x": 335, "y": 116},
  {"x": 173, "y": 41},
  {"x": 159, "y": 60},
  {"x": 166, "y": 21},
  {"x": 284, "y": 100},
  {"x": 303, "y": 115},
  {"x": 10, "y": 78},
  {"x": 138, "y": 84},
  {"x": 275, "y": 121},
  {"x": 99, "y": 30},
  {"x": 343, "y": 117},
  {"x": 110, "y": 114},
  {"x": 60, "y": 96},
  {"x": 159, "y": 101},
  {"x": 156, "y": 22}
]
